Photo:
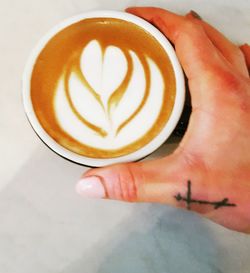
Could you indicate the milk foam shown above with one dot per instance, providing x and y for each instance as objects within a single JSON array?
[{"x": 105, "y": 72}]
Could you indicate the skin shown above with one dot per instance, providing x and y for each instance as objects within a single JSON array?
[{"x": 215, "y": 151}]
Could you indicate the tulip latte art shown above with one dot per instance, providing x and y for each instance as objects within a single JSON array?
[{"x": 103, "y": 87}]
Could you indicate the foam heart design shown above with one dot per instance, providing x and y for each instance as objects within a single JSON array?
[
  {"x": 104, "y": 69},
  {"x": 106, "y": 90},
  {"x": 113, "y": 97}
]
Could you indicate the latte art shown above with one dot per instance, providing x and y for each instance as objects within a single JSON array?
[
  {"x": 103, "y": 88},
  {"x": 108, "y": 97}
]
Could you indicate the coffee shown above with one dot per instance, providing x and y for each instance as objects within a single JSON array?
[{"x": 103, "y": 87}]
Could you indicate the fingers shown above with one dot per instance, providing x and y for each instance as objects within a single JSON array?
[
  {"x": 196, "y": 52},
  {"x": 246, "y": 51},
  {"x": 173, "y": 23},
  {"x": 229, "y": 50}
]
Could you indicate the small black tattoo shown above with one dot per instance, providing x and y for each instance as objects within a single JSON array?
[{"x": 188, "y": 199}]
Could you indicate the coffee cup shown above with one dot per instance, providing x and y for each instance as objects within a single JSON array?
[{"x": 103, "y": 87}]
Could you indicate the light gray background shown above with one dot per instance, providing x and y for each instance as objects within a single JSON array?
[{"x": 44, "y": 226}]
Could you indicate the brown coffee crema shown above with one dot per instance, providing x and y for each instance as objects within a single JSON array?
[{"x": 61, "y": 56}]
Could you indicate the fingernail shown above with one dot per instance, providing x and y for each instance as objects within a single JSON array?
[
  {"x": 195, "y": 15},
  {"x": 90, "y": 187}
]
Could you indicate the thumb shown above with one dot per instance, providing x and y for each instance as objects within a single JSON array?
[{"x": 150, "y": 181}]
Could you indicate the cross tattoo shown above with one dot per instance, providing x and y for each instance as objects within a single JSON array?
[{"x": 188, "y": 199}]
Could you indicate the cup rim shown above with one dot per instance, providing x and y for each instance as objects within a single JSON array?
[{"x": 144, "y": 151}]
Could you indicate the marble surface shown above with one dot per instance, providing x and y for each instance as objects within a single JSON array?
[{"x": 44, "y": 226}]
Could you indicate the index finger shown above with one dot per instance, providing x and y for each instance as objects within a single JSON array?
[{"x": 195, "y": 50}]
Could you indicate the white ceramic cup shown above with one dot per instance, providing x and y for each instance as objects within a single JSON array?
[{"x": 145, "y": 150}]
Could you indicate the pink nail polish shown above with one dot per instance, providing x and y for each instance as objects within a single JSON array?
[{"x": 91, "y": 187}]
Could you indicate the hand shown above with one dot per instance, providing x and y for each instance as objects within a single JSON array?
[{"x": 209, "y": 172}]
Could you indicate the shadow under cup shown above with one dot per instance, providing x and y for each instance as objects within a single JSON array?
[{"x": 103, "y": 87}]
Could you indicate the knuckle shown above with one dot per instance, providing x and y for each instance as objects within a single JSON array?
[
  {"x": 234, "y": 91},
  {"x": 227, "y": 81},
  {"x": 127, "y": 179},
  {"x": 190, "y": 25},
  {"x": 231, "y": 82}
]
